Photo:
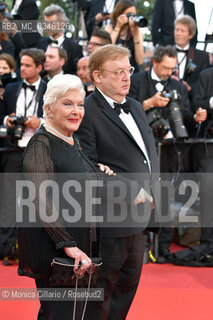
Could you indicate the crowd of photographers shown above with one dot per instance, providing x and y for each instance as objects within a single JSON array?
[{"x": 175, "y": 88}]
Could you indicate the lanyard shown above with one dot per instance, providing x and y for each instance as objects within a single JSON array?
[{"x": 26, "y": 107}]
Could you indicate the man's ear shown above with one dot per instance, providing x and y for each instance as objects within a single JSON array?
[{"x": 96, "y": 76}]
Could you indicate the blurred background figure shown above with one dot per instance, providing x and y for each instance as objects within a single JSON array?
[
  {"x": 98, "y": 38},
  {"x": 54, "y": 13},
  {"x": 127, "y": 33},
  {"x": 164, "y": 14},
  {"x": 55, "y": 60},
  {"x": 7, "y": 71},
  {"x": 27, "y": 10},
  {"x": 190, "y": 60},
  {"x": 83, "y": 74},
  {"x": 99, "y": 14}
]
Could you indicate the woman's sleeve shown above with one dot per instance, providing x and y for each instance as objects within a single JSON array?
[{"x": 38, "y": 166}]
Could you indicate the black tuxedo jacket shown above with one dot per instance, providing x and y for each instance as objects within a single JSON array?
[
  {"x": 202, "y": 96},
  {"x": 142, "y": 88},
  {"x": 163, "y": 21},
  {"x": 201, "y": 59},
  {"x": 105, "y": 139},
  {"x": 74, "y": 52},
  {"x": 28, "y": 10},
  {"x": 95, "y": 7},
  {"x": 8, "y": 104}
]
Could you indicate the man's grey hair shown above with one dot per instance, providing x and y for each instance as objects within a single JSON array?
[{"x": 54, "y": 9}]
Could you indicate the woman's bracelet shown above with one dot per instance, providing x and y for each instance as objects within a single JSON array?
[
  {"x": 137, "y": 42},
  {"x": 116, "y": 30}
]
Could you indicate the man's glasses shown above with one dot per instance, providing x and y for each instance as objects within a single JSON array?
[{"x": 120, "y": 72}]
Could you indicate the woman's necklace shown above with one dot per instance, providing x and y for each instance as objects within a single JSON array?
[{"x": 60, "y": 134}]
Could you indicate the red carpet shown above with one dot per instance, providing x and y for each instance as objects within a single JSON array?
[{"x": 165, "y": 292}]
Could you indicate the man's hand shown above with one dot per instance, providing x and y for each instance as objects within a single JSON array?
[
  {"x": 101, "y": 17},
  {"x": 9, "y": 121},
  {"x": 142, "y": 197},
  {"x": 32, "y": 122},
  {"x": 201, "y": 115},
  {"x": 157, "y": 101}
]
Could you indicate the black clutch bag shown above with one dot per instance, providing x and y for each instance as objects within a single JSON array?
[{"x": 64, "y": 276}]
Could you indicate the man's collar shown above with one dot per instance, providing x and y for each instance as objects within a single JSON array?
[
  {"x": 110, "y": 100},
  {"x": 185, "y": 48},
  {"x": 154, "y": 76},
  {"x": 36, "y": 83}
]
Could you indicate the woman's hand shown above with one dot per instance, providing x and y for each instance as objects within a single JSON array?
[
  {"x": 80, "y": 258},
  {"x": 106, "y": 169},
  {"x": 121, "y": 21}
]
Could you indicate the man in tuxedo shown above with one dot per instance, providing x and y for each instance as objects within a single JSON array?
[
  {"x": 123, "y": 140},
  {"x": 147, "y": 88},
  {"x": 23, "y": 98},
  {"x": 190, "y": 61},
  {"x": 99, "y": 14},
  {"x": 55, "y": 60},
  {"x": 204, "y": 156},
  {"x": 55, "y": 14},
  {"x": 164, "y": 14}
]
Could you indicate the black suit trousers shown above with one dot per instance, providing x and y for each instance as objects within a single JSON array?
[{"x": 119, "y": 276}]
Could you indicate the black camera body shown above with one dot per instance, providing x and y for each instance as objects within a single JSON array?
[
  {"x": 158, "y": 124},
  {"x": 161, "y": 126},
  {"x": 191, "y": 67},
  {"x": 139, "y": 21},
  {"x": 5, "y": 14},
  {"x": 17, "y": 131},
  {"x": 7, "y": 78}
]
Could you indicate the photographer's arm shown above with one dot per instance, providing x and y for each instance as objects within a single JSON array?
[{"x": 138, "y": 42}]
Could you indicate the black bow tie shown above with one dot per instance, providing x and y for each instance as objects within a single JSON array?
[
  {"x": 25, "y": 86},
  {"x": 163, "y": 82},
  {"x": 181, "y": 50},
  {"x": 52, "y": 41},
  {"x": 118, "y": 106}
]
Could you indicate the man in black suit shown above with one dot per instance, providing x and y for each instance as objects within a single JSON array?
[
  {"x": 164, "y": 14},
  {"x": 97, "y": 14},
  {"x": 123, "y": 140},
  {"x": 56, "y": 15},
  {"x": 22, "y": 98},
  {"x": 55, "y": 60},
  {"x": 204, "y": 155},
  {"x": 147, "y": 88},
  {"x": 27, "y": 10},
  {"x": 190, "y": 61}
]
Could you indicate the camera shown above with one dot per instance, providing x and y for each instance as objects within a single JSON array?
[
  {"x": 191, "y": 67},
  {"x": 140, "y": 21},
  {"x": 7, "y": 78},
  {"x": 5, "y": 14},
  {"x": 105, "y": 13},
  {"x": 17, "y": 131},
  {"x": 175, "y": 117},
  {"x": 158, "y": 124}
]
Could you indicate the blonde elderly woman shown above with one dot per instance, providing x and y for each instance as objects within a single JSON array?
[{"x": 54, "y": 149}]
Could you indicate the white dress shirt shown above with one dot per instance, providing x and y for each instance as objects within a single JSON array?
[{"x": 181, "y": 61}]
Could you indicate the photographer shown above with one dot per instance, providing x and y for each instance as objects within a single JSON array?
[
  {"x": 7, "y": 74},
  {"x": 190, "y": 61},
  {"x": 20, "y": 112},
  {"x": 147, "y": 87},
  {"x": 125, "y": 31}
]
